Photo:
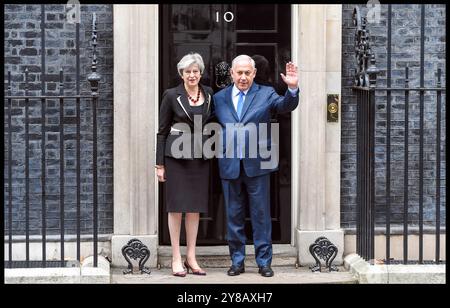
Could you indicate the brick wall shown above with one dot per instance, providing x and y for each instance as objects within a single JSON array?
[
  {"x": 405, "y": 51},
  {"x": 23, "y": 50}
]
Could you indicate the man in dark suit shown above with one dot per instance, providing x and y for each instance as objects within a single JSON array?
[{"x": 247, "y": 177}]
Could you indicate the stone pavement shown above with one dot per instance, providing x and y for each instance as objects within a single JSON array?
[{"x": 283, "y": 275}]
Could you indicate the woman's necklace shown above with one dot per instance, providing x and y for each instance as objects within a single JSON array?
[{"x": 194, "y": 100}]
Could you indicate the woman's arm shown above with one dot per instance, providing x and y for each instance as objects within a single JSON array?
[{"x": 165, "y": 122}]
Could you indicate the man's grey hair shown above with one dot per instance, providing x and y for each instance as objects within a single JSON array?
[
  {"x": 243, "y": 58},
  {"x": 188, "y": 60}
]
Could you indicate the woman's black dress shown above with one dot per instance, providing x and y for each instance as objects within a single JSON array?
[{"x": 187, "y": 182}]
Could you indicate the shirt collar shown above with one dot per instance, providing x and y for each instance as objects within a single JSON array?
[{"x": 236, "y": 91}]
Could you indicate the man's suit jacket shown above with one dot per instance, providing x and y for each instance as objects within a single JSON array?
[
  {"x": 259, "y": 105},
  {"x": 175, "y": 110}
]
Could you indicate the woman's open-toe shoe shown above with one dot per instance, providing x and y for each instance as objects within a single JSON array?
[
  {"x": 198, "y": 271},
  {"x": 179, "y": 274}
]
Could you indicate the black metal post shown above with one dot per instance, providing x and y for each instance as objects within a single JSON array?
[
  {"x": 358, "y": 175},
  {"x": 388, "y": 139},
  {"x": 438, "y": 169},
  {"x": 27, "y": 174},
  {"x": 372, "y": 72},
  {"x": 9, "y": 172},
  {"x": 78, "y": 146},
  {"x": 422, "y": 54},
  {"x": 365, "y": 80},
  {"x": 94, "y": 79},
  {"x": 61, "y": 162},
  {"x": 406, "y": 181},
  {"x": 43, "y": 156}
]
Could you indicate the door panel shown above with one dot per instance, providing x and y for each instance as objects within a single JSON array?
[{"x": 220, "y": 32}]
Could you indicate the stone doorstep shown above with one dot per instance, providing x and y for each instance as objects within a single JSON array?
[
  {"x": 85, "y": 273},
  {"x": 105, "y": 274},
  {"x": 283, "y": 275},
  {"x": 394, "y": 274},
  {"x": 218, "y": 256}
]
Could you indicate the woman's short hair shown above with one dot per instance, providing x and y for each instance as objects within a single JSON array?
[{"x": 188, "y": 60}]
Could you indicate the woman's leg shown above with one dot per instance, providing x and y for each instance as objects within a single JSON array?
[
  {"x": 192, "y": 220},
  {"x": 174, "y": 230}
]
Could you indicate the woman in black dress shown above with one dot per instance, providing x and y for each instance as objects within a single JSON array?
[{"x": 184, "y": 170}]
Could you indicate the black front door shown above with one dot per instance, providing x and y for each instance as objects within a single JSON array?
[{"x": 219, "y": 32}]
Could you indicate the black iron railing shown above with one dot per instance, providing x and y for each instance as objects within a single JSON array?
[
  {"x": 365, "y": 88},
  {"x": 90, "y": 102}
]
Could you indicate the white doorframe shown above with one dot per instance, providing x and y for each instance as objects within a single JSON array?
[{"x": 295, "y": 128}]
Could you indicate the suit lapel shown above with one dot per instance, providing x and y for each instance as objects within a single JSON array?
[
  {"x": 249, "y": 99},
  {"x": 206, "y": 106},
  {"x": 183, "y": 101}
]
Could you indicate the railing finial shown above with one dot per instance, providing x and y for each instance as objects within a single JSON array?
[
  {"x": 439, "y": 72},
  {"x": 94, "y": 77},
  {"x": 365, "y": 75},
  {"x": 372, "y": 71}
]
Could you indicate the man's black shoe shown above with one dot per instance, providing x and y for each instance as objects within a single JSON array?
[
  {"x": 266, "y": 271},
  {"x": 236, "y": 270}
]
